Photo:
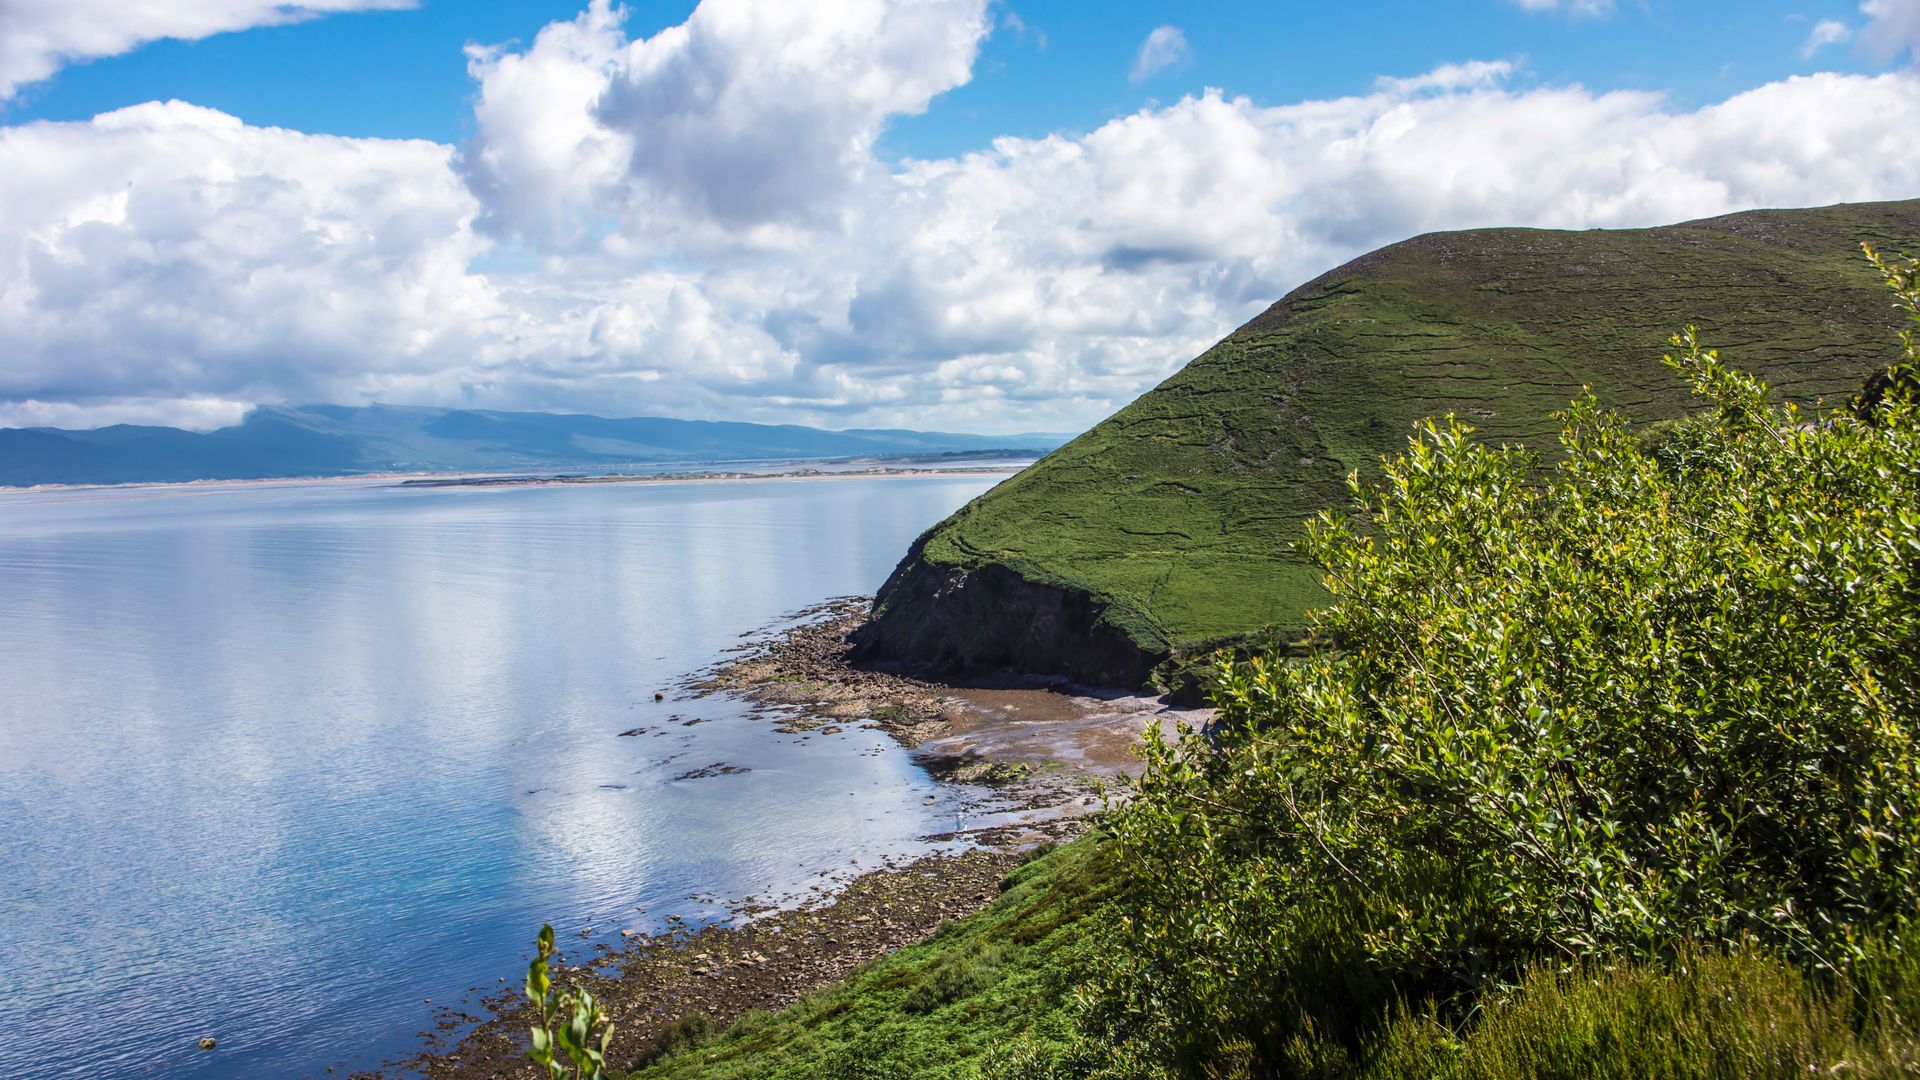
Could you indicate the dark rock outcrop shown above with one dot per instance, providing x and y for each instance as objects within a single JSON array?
[{"x": 988, "y": 619}]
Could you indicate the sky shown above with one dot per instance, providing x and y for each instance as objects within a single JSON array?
[{"x": 974, "y": 215}]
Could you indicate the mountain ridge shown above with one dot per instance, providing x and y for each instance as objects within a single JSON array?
[{"x": 280, "y": 442}]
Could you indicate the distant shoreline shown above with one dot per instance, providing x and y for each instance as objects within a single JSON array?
[
  {"x": 709, "y": 475},
  {"x": 484, "y": 480}
]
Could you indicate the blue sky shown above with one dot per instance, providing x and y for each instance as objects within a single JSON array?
[
  {"x": 1059, "y": 66},
  {"x": 953, "y": 214}
]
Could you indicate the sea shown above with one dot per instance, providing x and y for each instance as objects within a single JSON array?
[{"x": 296, "y": 766}]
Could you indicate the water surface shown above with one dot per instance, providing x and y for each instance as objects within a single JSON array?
[{"x": 279, "y": 763}]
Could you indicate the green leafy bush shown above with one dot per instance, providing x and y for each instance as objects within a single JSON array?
[
  {"x": 1642, "y": 696},
  {"x": 958, "y": 976},
  {"x": 689, "y": 1033},
  {"x": 1901, "y": 380}
]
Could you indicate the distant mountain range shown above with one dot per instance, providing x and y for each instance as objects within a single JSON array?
[{"x": 336, "y": 440}]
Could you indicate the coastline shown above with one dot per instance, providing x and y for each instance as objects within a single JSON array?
[
  {"x": 706, "y": 476},
  {"x": 797, "y": 470},
  {"x": 1044, "y": 741},
  {"x": 720, "y": 971},
  {"x": 1040, "y": 753}
]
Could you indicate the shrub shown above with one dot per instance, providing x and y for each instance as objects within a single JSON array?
[
  {"x": 957, "y": 976},
  {"x": 1636, "y": 698},
  {"x": 1901, "y": 380},
  {"x": 690, "y": 1032},
  {"x": 749, "y": 1022}
]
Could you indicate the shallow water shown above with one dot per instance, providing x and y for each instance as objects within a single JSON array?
[{"x": 279, "y": 763}]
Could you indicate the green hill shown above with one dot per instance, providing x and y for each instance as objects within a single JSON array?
[{"x": 1168, "y": 528}]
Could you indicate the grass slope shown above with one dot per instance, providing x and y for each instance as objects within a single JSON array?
[
  {"x": 943, "y": 1008},
  {"x": 1178, "y": 512},
  {"x": 989, "y": 998}
]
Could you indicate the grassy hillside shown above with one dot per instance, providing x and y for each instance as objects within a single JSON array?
[
  {"x": 992, "y": 986},
  {"x": 1173, "y": 519},
  {"x": 1600, "y": 770}
]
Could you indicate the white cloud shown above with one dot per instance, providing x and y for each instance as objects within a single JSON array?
[
  {"x": 174, "y": 260},
  {"x": 749, "y": 115},
  {"x": 1467, "y": 76},
  {"x": 37, "y": 37},
  {"x": 1163, "y": 47},
  {"x": 1893, "y": 28},
  {"x": 168, "y": 253},
  {"x": 1578, "y": 8},
  {"x": 193, "y": 414},
  {"x": 1824, "y": 33},
  {"x": 1012, "y": 23}
]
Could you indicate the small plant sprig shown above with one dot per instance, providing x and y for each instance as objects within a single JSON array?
[
  {"x": 1900, "y": 383},
  {"x": 573, "y": 1038}
]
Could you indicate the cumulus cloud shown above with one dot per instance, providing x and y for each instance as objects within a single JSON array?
[
  {"x": 173, "y": 259},
  {"x": 748, "y": 115},
  {"x": 37, "y": 37},
  {"x": 1164, "y": 47},
  {"x": 1893, "y": 28},
  {"x": 168, "y": 253}
]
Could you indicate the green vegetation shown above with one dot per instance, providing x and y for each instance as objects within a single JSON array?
[
  {"x": 1744, "y": 1014},
  {"x": 1901, "y": 381},
  {"x": 978, "y": 994},
  {"x": 571, "y": 1043},
  {"x": 1659, "y": 697},
  {"x": 1601, "y": 763},
  {"x": 1178, "y": 515}
]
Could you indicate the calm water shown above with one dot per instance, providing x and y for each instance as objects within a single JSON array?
[{"x": 277, "y": 763}]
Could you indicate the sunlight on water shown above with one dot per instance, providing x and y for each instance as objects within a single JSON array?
[{"x": 278, "y": 762}]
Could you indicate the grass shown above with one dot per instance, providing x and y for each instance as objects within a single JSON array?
[
  {"x": 1179, "y": 511},
  {"x": 989, "y": 997},
  {"x": 1741, "y": 1015},
  {"x": 937, "y": 1009}
]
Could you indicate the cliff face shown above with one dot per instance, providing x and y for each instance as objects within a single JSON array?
[
  {"x": 1168, "y": 528},
  {"x": 991, "y": 618}
]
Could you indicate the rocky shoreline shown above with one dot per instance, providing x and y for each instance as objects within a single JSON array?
[
  {"x": 1044, "y": 745},
  {"x": 1034, "y": 753},
  {"x": 721, "y": 972}
]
